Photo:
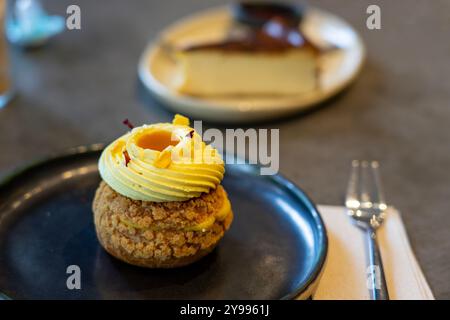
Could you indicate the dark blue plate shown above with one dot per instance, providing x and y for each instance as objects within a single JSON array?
[{"x": 275, "y": 249}]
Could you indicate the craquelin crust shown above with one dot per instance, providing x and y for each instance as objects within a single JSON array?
[{"x": 156, "y": 234}]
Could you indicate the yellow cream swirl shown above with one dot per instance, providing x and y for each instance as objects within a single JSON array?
[{"x": 161, "y": 162}]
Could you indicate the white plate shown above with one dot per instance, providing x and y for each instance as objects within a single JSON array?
[{"x": 339, "y": 68}]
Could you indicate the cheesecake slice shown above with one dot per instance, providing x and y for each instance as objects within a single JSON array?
[{"x": 269, "y": 59}]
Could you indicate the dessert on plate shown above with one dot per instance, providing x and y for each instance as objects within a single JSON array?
[
  {"x": 263, "y": 52},
  {"x": 160, "y": 203}
]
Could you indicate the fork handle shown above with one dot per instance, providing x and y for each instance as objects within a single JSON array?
[{"x": 376, "y": 281}]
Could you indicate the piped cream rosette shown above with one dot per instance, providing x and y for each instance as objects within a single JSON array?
[{"x": 161, "y": 162}]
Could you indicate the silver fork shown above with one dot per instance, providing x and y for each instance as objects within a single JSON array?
[{"x": 366, "y": 206}]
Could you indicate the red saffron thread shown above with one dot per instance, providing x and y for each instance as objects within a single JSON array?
[
  {"x": 127, "y": 158},
  {"x": 128, "y": 124}
]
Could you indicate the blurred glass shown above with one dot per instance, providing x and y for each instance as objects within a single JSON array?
[
  {"x": 5, "y": 81},
  {"x": 28, "y": 24}
]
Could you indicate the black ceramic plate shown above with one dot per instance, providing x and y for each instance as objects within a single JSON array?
[{"x": 275, "y": 248}]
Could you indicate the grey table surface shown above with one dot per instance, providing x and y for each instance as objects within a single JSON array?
[{"x": 79, "y": 88}]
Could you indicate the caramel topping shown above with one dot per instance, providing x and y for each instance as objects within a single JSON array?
[
  {"x": 156, "y": 140},
  {"x": 258, "y": 13},
  {"x": 275, "y": 35},
  {"x": 261, "y": 27}
]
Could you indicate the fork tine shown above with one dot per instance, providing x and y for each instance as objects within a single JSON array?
[
  {"x": 351, "y": 199},
  {"x": 381, "y": 202},
  {"x": 366, "y": 184}
]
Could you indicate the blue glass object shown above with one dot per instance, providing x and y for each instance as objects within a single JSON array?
[
  {"x": 5, "y": 98},
  {"x": 28, "y": 25}
]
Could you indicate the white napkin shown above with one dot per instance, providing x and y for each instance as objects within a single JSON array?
[{"x": 344, "y": 276}]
